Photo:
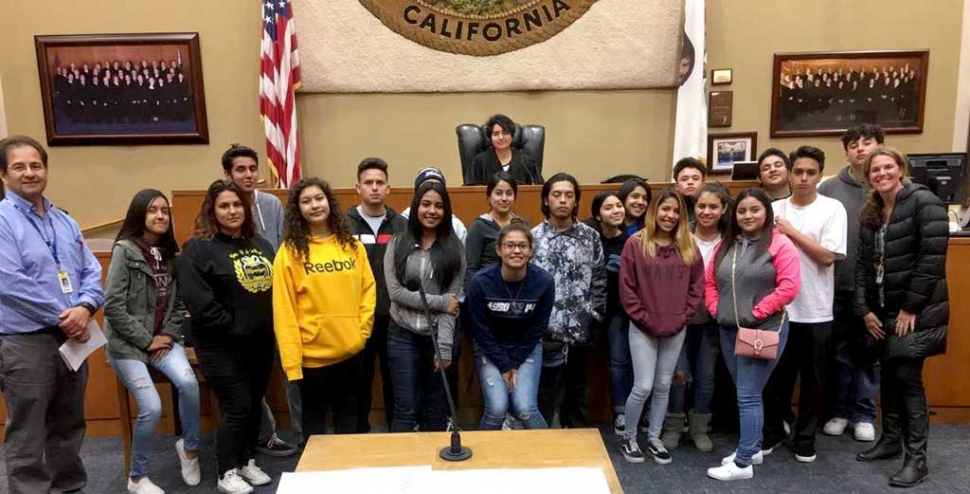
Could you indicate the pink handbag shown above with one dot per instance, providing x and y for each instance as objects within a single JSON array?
[{"x": 753, "y": 343}]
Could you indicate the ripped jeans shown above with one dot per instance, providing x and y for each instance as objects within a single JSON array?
[
  {"x": 523, "y": 396},
  {"x": 134, "y": 373}
]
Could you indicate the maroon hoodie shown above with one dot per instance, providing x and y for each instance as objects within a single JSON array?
[{"x": 660, "y": 293}]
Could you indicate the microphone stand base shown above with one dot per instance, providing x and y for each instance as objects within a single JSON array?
[{"x": 448, "y": 455}]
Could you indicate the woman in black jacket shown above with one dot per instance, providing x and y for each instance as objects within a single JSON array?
[
  {"x": 226, "y": 276},
  {"x": 901, "y": 295}
]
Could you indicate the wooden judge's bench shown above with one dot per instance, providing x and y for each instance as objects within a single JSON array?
[{"x": 948, "y": 394}]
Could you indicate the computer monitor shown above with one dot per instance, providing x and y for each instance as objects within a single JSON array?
[
  {"x": 744, "y": 170},
  {"x": 943, "y": 173}
]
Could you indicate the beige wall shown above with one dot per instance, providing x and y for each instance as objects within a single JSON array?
[
  {"x": 745, "y": 35},
  {"x": 591, "y": 134}
]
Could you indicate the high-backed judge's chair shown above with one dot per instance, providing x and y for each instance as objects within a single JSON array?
[{"x": 472, "y": 139}]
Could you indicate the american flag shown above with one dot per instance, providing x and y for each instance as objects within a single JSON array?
[{"x": 279, "y": 76}]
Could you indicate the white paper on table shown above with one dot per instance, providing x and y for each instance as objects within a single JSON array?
[
  {"x": 573, "y": 480},
  {"x": 74, "y": 353},
  {"x": 390, "y": 480}
]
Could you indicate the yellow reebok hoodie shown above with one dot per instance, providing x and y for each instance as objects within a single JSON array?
[{"x": 323, "y": 307}]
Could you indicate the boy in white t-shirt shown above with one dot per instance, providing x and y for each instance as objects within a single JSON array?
[{"x": 817, "y": 226}]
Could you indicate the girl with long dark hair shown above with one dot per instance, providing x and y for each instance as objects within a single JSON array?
[
  {"x": 607, "y": 217},
  {"x": 226, "y": 275},
  {"x": 482, "y": 236},
  {"x": 754, "y": 275},
  {"x": 636, "y": 195},
  {"x": 661, "y": 283},
  {"x": 901, "y": 294},
  {"x": 143, "y": 316},
  {"x": 430, "y": 256},
  {"x": 323, "y": 306}
]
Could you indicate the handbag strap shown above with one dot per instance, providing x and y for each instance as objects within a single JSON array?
[{"x": 734, "y": 292}]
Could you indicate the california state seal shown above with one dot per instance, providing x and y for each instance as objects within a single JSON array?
[{"x": 478, "y": 27}]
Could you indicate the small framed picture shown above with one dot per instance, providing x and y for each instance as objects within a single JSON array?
[
  {"x": 721, "y": 77},
  {"x": 723, "y": 150},
  {"x": 122, "y": 89}
]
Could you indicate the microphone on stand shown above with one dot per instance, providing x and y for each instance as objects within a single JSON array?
[{"x": 454, "y": 452}]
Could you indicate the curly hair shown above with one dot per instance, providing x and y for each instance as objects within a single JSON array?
[{"x": 296, "y": 230}]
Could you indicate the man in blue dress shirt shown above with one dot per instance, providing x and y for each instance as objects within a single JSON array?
[{"x": 50, "y": 286}]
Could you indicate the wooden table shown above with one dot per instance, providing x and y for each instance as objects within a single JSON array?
[{"x": 553, "y": 448}]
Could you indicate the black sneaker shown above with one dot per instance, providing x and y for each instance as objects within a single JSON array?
[
  {"x": 805, "y": 453},
  {"x": 277, "y": 447},
  {"x": 655, "y": 447},
  {"x": 631, "y": 451},
  {"x": 619, "y": 425}
]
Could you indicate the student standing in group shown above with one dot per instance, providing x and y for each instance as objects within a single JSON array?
[
  {"x": 51, "y": 286},
  {"x": 774, "y": 168},
  {"x": 855, "y": 379},
  {"x": 699, "y": 355},
  {"x": 635, "y": 195},
  {"x": 607, "y": 216},
  {"x": 373, "y": 222},
  {"x": 689, "y": 175},
  {"x": 816, "y": 225},
  {"x": 661, "y": 284},
  {"x": 754, "y": 275},
  {"x": 143, "y": 316},
  {"x": 901, "y": 293},
  {"x": 226, "y": 277},
  {"x": 572, "y": 253},
  {"x": 510, "y": 303},
  {"x": 481, "y": 243},
  {"x": 241, "y": 165},
  {"x": 429, "y": 255},
  {"x": 323, "y": 306},
  {"x": 432, "y": 174}
]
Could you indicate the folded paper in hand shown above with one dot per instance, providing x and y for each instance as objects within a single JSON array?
[{"x": 74, "y": 353}]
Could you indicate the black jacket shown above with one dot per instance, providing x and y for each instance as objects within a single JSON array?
[
  {"x": 485, "y": 164},
  {"x": 393, "y": 224},
  {"x": 914, "y": 269}
]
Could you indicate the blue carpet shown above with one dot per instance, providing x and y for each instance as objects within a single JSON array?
[{"x": 835, "y": 471}]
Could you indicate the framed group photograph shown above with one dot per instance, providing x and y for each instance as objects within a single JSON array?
[
  {"x": 821, "y": 94},
  {"x": 723, "y": 150},
  {"x": 122, "y": 89}
]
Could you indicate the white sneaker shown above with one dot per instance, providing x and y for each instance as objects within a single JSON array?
[
  {"x": 836, "y": 426},
  {"x": 144, "y": 486},
  {"x": 731, "y": 472},
  {"x": 756, "y": 459},
  {"x": 864, "y": 431},
  {"x": 232, "y": 483},
  {"x": 253, "y": 474},
  {"x": 191, "y": 473}
]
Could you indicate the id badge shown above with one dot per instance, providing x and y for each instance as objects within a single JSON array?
[{"x": 65, "y": 282}]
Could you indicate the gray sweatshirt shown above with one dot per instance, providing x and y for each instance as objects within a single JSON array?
[
  {"x": 852, "y": 194},
  {"x": 268, "y": 216},
  {"x": 406, "y": 308}
]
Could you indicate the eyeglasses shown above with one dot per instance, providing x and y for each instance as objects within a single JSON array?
[{"x": 513, "y": 246}]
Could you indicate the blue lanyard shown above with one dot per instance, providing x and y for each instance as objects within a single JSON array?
[{"x": 52, "y": 243}]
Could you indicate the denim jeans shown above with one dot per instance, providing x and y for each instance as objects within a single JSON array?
[
  {"x": 419, "y": 394},
  {"x": 654, "y": 361},
  {"x": 332, "y": 388},
  {"x": 805, "y": 361},
  {"x": 621, "y": 370},
  {"x": 698, "y": 360},
  {"x": 134, "y": 373},
  {"x": 237, "y": 369},
  {"x": 855, "y": 377},
  {"x": 750, "y": 376},
  {"x": 497, "y": 395},
  {"x": 562, "y": 385}
]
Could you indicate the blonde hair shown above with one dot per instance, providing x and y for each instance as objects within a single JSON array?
[
  {"x": 871, "y": 212},
  {"x": 681, "y": 237}
]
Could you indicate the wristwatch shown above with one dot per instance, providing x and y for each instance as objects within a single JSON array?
[{"x": 88, "y": 306}]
